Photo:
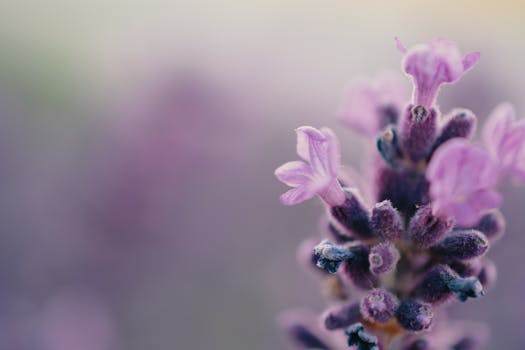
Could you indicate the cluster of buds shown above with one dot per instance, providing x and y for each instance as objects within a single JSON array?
[{"x": 394, "y": 258}]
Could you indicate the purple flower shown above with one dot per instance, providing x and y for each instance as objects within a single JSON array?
[
  {"x": 504, "y": 138},
  {"x": 320, "y": 149},
  {"x": 370, "y": 106},
  {"x": 433, "y": 64},
  {"x": 461, "y": 179}
]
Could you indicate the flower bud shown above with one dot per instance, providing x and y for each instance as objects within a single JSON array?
[
  {"x": 342, "y": 316},
  {"x": 357, "y": 269},
  {"x": 418, "y": 131},
  {"x": 353, "y": 216},
  {"x": 329, "y": 256},
  {"x": 425, "y": 228},
  {"x": 459, "y": 123},
  {"x": 461, "y": 245},
  {"x": 441, "y": 282},
  {"x": 492, "y": 225},
  {"x": 386, "y": 222},
  {"x": 414, "y": 316},
  {"x": 383, "y": 258},
  {"x": 379, "y": 306},
  {"x": 360, "y": 338}
]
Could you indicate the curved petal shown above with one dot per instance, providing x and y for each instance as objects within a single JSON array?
[
  {"x": 297, "y": 195},
  {"x": 294, "y": 173}
]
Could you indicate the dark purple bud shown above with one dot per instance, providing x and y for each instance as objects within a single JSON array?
[
  {"x": 379, "y": 305},
  {"x": 492, "y": 225},
  {"x": 418, "y": 132},
  {"x": 488, "y": 274},
  {"x": 461, "y": 245},
  {"x": 383, "y": 258},
  {"x": 342, "y": 316},
  {"x": 353, "y": 216},
  {"x": 357, "y": 269},
  {"x": 459, "y": 123},
  {"x": 414, "y": 316},
  {"x": 360, "y": 338},
  {"x": 329, "y": 256},
  {"x": 386, "y": 222},
  {"x": 440, "y": 282},
  {"x": 466, "y": 268},
  {"x": 418, "y": 344},
  {"x": 388, "y": 147},
  {"x": 425, "y": 228}
]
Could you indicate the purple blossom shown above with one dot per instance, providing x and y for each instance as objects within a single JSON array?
[
  {"x": 433, "y": 64},
  {"x": 504, "y": 138},
  {"x": 369, "y": 106},
  {"x": 316, "y": 176},
  {"x": 462, "y": 177}
]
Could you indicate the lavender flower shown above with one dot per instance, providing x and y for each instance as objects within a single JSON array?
[
  {"x": 462, "y": 179},
  {"x": 504, "y": 138},
  {"x": 433, "y": 64},
  {"x": 369, "y": 107},
  {"x": 421, "y": 245},
  {"x": 320, "y": 149}
]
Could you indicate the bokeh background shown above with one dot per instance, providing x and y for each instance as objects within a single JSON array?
[{"x": 138, "y": 139}]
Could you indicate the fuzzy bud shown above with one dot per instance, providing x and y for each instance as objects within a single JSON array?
[
  {"x": 461, "y": 245},
  {"x": 379, "y": 306},
  {"x": 383, "y": 258},
  {"x": 329, "y": 256},
  {"x": 439, "y": 284},
  {"x": 342, "y": 316},
  {"x": 353, "y": 216},
  {"x": 360, "y": 338},
  {"x": 418, "y": 132},
  {"x": 425, "y": 228},
  {"x": 386, "y": 222},
  {"x": 414, "y": 316},
  {"x": 459, "y": 123}
]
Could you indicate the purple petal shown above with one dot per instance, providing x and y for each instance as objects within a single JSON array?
[
  {"x": 297, "y": 195},
  {"x": 461, "y": 178},
  {"x": 294, "y": 173}
]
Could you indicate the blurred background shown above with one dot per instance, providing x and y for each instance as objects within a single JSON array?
[{"x": 138, "y": 139}]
